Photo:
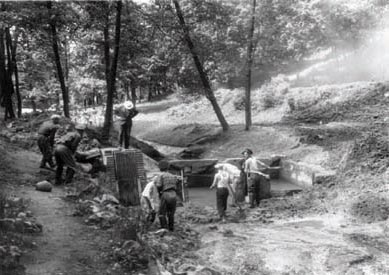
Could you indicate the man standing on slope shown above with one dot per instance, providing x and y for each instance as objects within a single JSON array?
[
  {"x": 256, "y": 180},
  {"x": 46, "y": 134},
  {"x": 124, "y": 114}
]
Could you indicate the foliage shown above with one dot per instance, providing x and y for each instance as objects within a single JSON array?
[{"x": 153, "y": 58}]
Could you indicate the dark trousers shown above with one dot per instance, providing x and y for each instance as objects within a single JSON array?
[
  {"x": 46, "y": 150},
  {"x": 168, "y": 208},
  {"x": 125, "y": 134},
  {"x": 64, "y": 157},
  {"x": 253, "y": 189},
  {"x": 221, "y": 201}
]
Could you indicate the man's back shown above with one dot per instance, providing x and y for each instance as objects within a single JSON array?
[
  {"x": 70, "y": 140},
  {"x": 47, "y": 128},
  {"x": 166, "y": 181}
]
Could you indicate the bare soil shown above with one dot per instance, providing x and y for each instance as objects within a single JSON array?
[{"x": 66, "y": 245}]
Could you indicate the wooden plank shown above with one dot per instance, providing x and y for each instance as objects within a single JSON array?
[{"x": 127, "y": 176}]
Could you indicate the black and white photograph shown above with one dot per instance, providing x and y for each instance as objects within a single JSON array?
[{"x": 194, "y": 137}]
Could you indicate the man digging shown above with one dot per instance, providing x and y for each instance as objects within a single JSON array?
[
  {"x": 64, "y": 153},
  {"x": 46, "y": 134}
]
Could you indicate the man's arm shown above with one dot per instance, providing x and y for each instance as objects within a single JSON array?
[{"x": 215, "y": 181}]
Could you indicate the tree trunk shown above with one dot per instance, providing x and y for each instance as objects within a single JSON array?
[
  {"x": 133, "y": 92},
  {"x": 9, "y": 81},
  {"x": 6, "y": 99},
  {"x": 15, "y": 70},
  {"x": 111, "y": 80},
  {"x": 203, "y": 76},
  {"x": 249, "y": 64},
  {"x": 57, "y": 59}
]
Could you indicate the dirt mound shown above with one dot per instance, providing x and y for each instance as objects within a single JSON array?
[
  {"x": 370, "y": 152},
  {"x": 371, "y": 208},
  {"x": 184, "y": 135},
  {"x": 338, "y": 103}
]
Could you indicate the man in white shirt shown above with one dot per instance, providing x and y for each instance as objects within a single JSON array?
[
  {"x": 221, "y": 181},
  {"x": 150, "y": 200},
  {"x": 254, "y": 177}
]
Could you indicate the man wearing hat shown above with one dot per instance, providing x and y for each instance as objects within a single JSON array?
[
  {"x": 46, "y": 134},
  {"x": 125, "y": 113},
  {"x": 254, "y": 177},
  {"x": 167, "y": 187},
  {"x": 64, "y": 153}
]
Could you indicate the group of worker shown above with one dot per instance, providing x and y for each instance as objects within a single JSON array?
[
  {"x": 228, "y": 177},
  {"x": 64, "y": 149},
  {"x": 159, "y": 195}
]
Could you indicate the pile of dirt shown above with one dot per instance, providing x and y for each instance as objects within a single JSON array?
[
  {"x": 327, "y": 109},
  {"x": 184, "y": 135},
  {"x": 371, "y": 208},
  {"x": 370, "y": 152},
  {"x": 329, "y": 134}
]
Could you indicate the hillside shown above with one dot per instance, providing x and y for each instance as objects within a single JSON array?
[{"x": 339, "y": 226}]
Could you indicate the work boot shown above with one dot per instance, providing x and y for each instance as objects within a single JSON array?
[
  {"x": 58, "y": 181},
  {"x": 69, "y": 175},
  {"x": 251, "y": 200},
  {"x": 162, "y": 221},
  {"x": 171, "y": 223}
]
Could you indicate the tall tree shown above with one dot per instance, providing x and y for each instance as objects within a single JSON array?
[
  {"x": 203, "y": 76},
  {"x": 15, "y": 68},
  {"x": 112, "y": 65},
  {"x": 6, "y": 85},
  {"x": 249, "y": 64},
  {"x": 57, "y": 59}
]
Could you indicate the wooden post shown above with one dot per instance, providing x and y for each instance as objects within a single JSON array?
[
  {"x": 184, "y": 199},
  {"x": 127, "y": 177}
]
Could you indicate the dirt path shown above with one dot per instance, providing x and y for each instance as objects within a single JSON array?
[{"x": 66, "y": 245}]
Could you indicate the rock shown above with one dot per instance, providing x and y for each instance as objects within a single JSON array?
[
  {"x": 228, "y": 233},
  {"x": 106, "y": 198},
  {"x": 207, "y": 271},
  {"x": 44, "y": 186},
  {"x": 85, "y": 167},
  {"x": 161, "y": 232},
  {"x": 213, "y": 227},
  {"x": 117, "y": 266},
  {"x": 15, "y": 251},
  {"x": 22, "y": 215},
  {"x": 15, "y": 202},
  {"x": 131, "y": 245}
]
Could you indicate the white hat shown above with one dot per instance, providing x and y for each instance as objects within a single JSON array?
[
  {"x": 55, "y": 116},
  {"x": 219, "y": 166},
  {"x": 128, "y": 105}
]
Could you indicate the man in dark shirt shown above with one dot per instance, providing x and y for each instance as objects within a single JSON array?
[
  {"x": 167, "y": 185},
  {"x": 124, "y": 114},
  {"x": 64, "y": 153},
  {"x": 46, "y": 134}
]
